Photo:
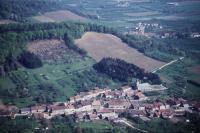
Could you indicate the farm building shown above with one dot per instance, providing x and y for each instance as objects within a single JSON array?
[{"x": 145, "y": 87}]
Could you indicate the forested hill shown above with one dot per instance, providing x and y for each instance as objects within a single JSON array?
[
  {"x": 13, "y": 37},
  {"x": 20, "y": 9},
  {"x": 123, "y": 71}
]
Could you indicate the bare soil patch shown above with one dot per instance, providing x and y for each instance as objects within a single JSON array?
[
  {"x": 100, "y": 45},
  {"x": 51, "y": 51},
  {"x": 141, "y": 14},
  {"x": 6, "y": 21},
  {"x": 43, "y": 19},
  {"x": 196, "y": 69},
  {"x": 59, "y": 16}
]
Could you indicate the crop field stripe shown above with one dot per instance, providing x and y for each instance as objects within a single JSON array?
[{"x": 100, "y": 45}]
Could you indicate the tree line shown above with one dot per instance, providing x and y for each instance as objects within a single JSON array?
[
  {"x": 18, "y": 10},
  {"x": 123, "y": 71},
  {"x": 14, "y": 37}
]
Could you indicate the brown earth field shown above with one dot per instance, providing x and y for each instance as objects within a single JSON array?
[
  {"x": 59, "y": 16},
  {"x": 6, "y": 21},
  {"x": 99, "y": 45},
  {"x": 51, "y": 51},
  {"x": 196, "y": 69}
]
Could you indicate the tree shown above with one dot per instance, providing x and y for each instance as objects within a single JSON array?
[{"x": 30, "y": 60}]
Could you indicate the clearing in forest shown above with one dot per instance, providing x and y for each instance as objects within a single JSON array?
[
  {"x": 100, "y": 45},
  {"x": 52, "y": 51},
  {"x": 59, "y": 16},
  {"x": 6, "y": 21}
]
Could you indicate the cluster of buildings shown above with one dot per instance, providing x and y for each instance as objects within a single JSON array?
[
  {"x": 108, "y": 104},
  {"x": 144, "y": 29},
  {"x": 154, "y": 30}
]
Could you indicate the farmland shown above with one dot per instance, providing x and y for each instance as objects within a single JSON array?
[
  {"x": 52, "y": 51},
  {"x": 6, "y": 21},
  {"x": 59, "y": 16},
  {"x": 100, "y": 45},
  {"x": 68, "y": 51},
  {"x": 177, "y": 75},
  {"x": 123, "y": 14},
  {"x": 69, "y": 74}
]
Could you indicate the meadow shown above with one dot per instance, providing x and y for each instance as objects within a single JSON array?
[{"x": 63, "y": 74}]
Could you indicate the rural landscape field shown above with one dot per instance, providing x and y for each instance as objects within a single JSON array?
[
  {"x": 99, "y": 66},
  {"x": 100, "y": 45},
  {"x": 58, "y": 16}
]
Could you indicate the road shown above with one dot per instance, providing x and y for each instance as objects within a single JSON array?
[{"x": 171, "y": 62}]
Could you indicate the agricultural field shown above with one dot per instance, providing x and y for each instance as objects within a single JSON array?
[
  {"x": 100, "y": 126},
  {"x": 123, "y": 14},
  {"x": 100, "y": 45},
  {"x": 52, "y": 51},
  {"x": 6, "y": 21},
  {"x": 70, "y": 73},
  {"x": 177, "y": 75},
  {"x": 59, "y": 16}
]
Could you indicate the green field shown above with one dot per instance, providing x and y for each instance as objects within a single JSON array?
[
  {"x": 176, "y": 76},
  {"x": 100, "y": 126},
  {"x": 66, "y": 80}
]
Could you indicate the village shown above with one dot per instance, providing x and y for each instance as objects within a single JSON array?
[
  {"x": 109, "y": 104},
  {"x": 150, "y": 30}
]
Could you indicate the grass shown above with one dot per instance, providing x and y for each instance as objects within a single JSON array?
[
  {"x": 96, "y": 126},
  {"x": 67, "y": 79},
  {"x": 5, "y": 82},
  {"x": 161, "y": 56},
  {"x": 176, "y": 76}
]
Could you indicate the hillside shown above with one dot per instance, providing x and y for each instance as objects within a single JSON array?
[{"x": 100, "y": 45}]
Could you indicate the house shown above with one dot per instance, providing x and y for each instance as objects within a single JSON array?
[
  {"x": 146, "y": 87},
  {"x": 117, "y": 94},
  {"x": 39, "y": 115},
  {"x": 25, "y": 111},
  {"x": 162, "y": 107},
  {"x": 83, "y": 106},
  {"x": 70, "y": 109},
  {"x": 93, "y": 116},
  {"x": 38, "y": 108},
  {"x": 140, "y": 95},
  {"x": 179, "y": 112},
  {"x": 110, "y": 94},
  {"x": 75, "y": 98},
  {"x": 167, "y": 113},
  {"x": 57, "y": 110},
  {"x": 196, "y": 106},
  {"x": 136, "y": 113},
  {"x": 118, "y": 104},
  {"x": 195, "y": 35},
  {"x": 126, "y": 88},
  {"x": 148, "y": 106},
  {"x": 118, "y": 111},
  {"x": 107, "y": 113},
  {"x": 89, "y": 95},
  {"x": 95, "y": 93},
  {"x": 96, "y": 104},
  {"x": 127, "y": 91},
  {"x": 141, "y": 108},
  {"x": 8, "y": 111},
  {"x": 4, "y": 111}
]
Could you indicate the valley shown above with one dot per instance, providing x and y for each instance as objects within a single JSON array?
[{"x": 124, "y": 66}]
